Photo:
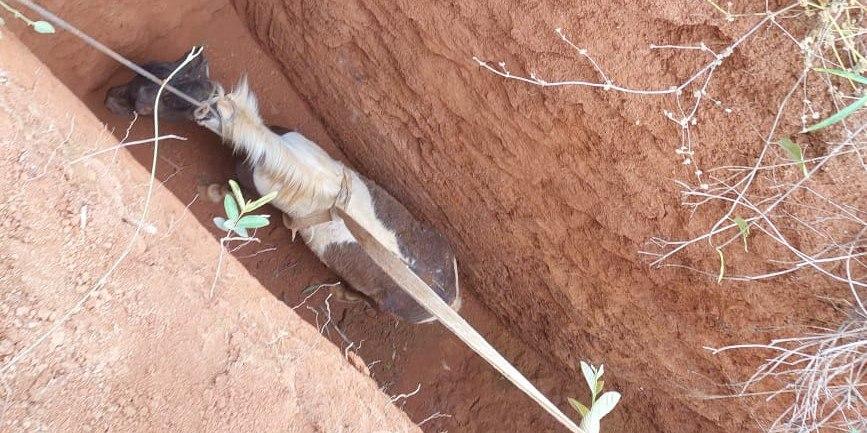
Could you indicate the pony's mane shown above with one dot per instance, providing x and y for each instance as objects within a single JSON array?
[{"x": 304, "y": 171}]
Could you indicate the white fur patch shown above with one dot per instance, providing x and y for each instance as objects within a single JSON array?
[
  {"x": 360, "y": 206},
  {"x": 305, "y": 177}
]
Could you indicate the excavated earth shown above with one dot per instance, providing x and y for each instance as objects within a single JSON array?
[
  {"x": 547, "y": 194},
  {"x": 143, "y": 347}
]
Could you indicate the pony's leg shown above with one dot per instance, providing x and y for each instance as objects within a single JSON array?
[{"x": 244, "y": 175}]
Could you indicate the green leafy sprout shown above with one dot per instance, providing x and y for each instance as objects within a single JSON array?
[
  {"x": 795, "y": 153},
  {"x": 43, "y": 27},
  {"x": 793, "y": 150},
  {"x": 744, "y": 228},
  {"x": 600, "y": 403},
  {"x": 847, "y": 110},
  {"x": 237, "y": 219}
]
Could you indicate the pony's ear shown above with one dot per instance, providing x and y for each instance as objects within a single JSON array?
[
  {"x": 243, "y": 96},
  {"x": 243, "y": 85},
  {"x": 199, "y": 67}
]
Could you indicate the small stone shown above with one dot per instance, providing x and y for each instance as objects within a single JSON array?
[
  {"x": 22, "y": 311},
  {"x": 43, "y": 313},
  {"x": 58, "y": 338}
]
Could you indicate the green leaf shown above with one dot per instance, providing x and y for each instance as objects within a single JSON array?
[
  {"x": 744, "y": 229},
  {"x": 795, "y": 153},
  {"x": 262, "y": 201},
  {"x": 844, "y": 73},
  {"x": 220, "y": 222},
  {"x": 599, "y": 386},
  {"x": 605, "y": 404},
  {"x": 237, "y": 191},
  {"x": 43, "y": 27},
  {"x": 579, "y": 407},
  {"x": 241, "y": 231},
  {"x": 722, "y": 266},
  {"x": 840, "y": 115},
  {"x": 253, "y": 221},
  {"x": 589, "y": 375},
  {"x": 231, "y": 208}
]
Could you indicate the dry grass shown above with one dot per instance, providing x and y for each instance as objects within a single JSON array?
[{"x": 821, "y": 374}]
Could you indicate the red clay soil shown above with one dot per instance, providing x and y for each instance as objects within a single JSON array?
[
  {"x": 547, "y": 194},
  {"x": 148, "y": 350},
  {"x": 458, "y": 391}
]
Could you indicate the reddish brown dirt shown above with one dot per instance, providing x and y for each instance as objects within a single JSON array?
[
  {"x": 454, "y": 382},
  {"x": 550, "y": 194},
  {"x": 149, "y": 350},
  {"x": 546, "y": 194}
]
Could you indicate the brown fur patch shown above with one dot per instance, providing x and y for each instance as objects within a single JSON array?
[{"x": 430, "y": 255}]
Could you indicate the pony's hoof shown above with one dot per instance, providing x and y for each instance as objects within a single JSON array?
[
  {"x": 216, "y": 192},
  {"x": 347, "y": 295}
]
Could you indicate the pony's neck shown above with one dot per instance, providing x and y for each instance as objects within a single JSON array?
[{"x": 306, "y": 177}]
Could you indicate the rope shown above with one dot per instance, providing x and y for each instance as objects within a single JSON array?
[
  {"x": 60, "y": 22},
  {"x": 384, "y": 258},
  {"x": 422, "y": 293},
  {"x": 324, "y": 215}
]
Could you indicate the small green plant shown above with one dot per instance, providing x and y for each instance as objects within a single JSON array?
[
  {"x": 744, "y": 228},
  {"x": 236, "y": 219},
  {"x": 600, "y": 403},
  {"x": 795, "y": 154},
  {"x": 847, "y": 110},
  {"x": 39, "y": 26}
]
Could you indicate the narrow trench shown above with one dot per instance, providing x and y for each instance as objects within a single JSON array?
[{"x": 458, "y": 391}]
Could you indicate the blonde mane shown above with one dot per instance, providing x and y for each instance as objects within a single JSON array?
[{"x": 304, "y": 174}]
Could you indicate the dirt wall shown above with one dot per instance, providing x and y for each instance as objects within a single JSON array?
[
  {"x": 150, "y": 349},
  {"x": 548, "y": 195},
  {"x": 459, "y": 391}
]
